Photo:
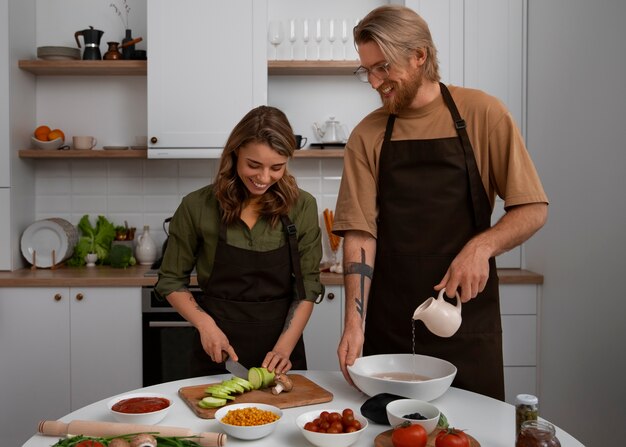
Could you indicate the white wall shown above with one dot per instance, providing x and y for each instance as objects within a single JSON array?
[{"x": 576, "y": 132}]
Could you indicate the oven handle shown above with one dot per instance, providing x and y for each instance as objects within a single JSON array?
[{"x": 169, "y": 324}]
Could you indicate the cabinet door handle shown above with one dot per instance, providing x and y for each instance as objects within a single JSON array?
[
  {"x": 79, "y": 297},
  {"x": 154, "y": 140},
  {"x": 58, "y": 297},
  {"x": 330, "y": 296}
]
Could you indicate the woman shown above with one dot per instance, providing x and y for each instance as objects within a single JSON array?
[{"x": 254, "y": 239}]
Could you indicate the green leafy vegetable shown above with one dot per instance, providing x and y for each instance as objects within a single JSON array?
[
  {"x": 121, "y": 256},
  {"x": 162, "y": 441},
  {"x": 93, "y": 240}
]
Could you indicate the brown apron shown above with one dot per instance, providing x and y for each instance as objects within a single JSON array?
[
  {"x": 248, "y": 295},
  {"x": 431, "y": 202}
]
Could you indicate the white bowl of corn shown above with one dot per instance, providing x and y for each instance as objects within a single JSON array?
[{"x": 249, "y": 420}]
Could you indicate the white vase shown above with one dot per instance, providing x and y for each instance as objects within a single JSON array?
[
  {"x": 91, "y": 259},
  {"x": 146, "y": 251}
]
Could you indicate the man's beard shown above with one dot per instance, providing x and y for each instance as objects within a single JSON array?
[{"x": 404, "y": 93}]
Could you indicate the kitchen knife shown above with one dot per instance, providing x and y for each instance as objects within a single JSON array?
[{"x": 236, "y": 368}]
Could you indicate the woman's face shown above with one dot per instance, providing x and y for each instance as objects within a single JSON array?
[{"x": 259, "y": 167}]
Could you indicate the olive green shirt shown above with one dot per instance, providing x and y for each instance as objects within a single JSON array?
[{"x": 193, "y": 237}]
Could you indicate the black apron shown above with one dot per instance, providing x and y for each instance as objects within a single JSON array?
[
  {"x": 431, "y": 202},
  {"x": 249, "y": 294}
]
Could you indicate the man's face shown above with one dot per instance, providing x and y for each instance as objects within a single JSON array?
[{"x": 399, "y": 89}]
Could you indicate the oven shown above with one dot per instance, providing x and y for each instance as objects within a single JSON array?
[{"x": 167, "y": 339}]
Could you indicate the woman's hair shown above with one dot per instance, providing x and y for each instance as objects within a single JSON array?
[
  {"x": 399, "y": 31},
  {"x": 265, "y": 125}
]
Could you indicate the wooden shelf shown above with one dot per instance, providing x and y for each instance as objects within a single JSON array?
[
  {"x": 85, "y": 68},
  {"x": 140, "y": 68},
  {"x": 310, "y": 68},
  {"x": 75, "y": 153},
  {"x": 143, "y": 154}
]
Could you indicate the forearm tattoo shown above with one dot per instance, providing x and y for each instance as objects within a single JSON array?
[
  {"x": 290, "y": 314},
  {"x": 363, "y": 270}
]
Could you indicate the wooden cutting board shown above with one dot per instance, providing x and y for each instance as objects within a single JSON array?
[
  {"x": 384, "y": 439},
  {"x": 304, "y": 392}
]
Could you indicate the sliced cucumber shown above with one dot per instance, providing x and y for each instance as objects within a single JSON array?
[
  {"x": 255, "y": 377},
  {"x": 212, "y": 402},
  {"x": 243, "y": 383},
  {"x": 222, "y": 395},
  {"x": 231, "y": 383},
  {"x": 268, "y": 378}
]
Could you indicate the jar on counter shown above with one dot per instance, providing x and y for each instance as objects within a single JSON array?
[
  {"x": 537, "y": 434},
  {"x": 526, "y": 409}
]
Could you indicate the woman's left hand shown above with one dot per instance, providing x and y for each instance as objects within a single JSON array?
[{"x": 277, "y": 362}]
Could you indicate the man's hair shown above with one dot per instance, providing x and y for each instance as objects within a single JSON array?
[{"x": 399, "y": 32}]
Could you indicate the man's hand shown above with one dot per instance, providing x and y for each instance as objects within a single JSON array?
[
  {"x": 469, "y": 271},
  {"x": 349, "y": 349}
]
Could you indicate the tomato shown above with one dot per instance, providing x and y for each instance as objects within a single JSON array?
[
  {"x": 411, "y": 435},
  {"x": 89, "y": 443},
  {"x": 452, "y": 437}
]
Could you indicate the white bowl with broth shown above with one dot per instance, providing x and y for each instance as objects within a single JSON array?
[{"x": 413, "y": 376}]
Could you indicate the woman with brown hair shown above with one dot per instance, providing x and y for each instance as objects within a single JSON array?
[{"x": 254, "y": 239}]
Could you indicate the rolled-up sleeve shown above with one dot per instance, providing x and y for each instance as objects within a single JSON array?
[{"x": 306, "y": 219}]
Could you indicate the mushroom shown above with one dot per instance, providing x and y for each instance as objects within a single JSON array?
[
  {"x": 143, "y": 440},
  {"x": 283, "y": 382}
]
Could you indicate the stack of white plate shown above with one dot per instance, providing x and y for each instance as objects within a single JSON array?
[
  {"x": 46, "y": 236},
  {"x": 58, "y": 53}
]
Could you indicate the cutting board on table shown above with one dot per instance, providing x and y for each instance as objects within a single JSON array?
[
  {"x": 384, "y": 439},
  {"x": 304, "y": 392}
]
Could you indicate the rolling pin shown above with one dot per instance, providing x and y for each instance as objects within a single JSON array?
[{"x": 104, "y": 429}]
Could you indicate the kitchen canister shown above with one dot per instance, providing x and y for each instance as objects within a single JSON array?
[{"x": 146, "y": 250}]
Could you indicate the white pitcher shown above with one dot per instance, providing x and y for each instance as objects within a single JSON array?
[
  {"x": 146, "y": 251},
  {"x": 440, "y": 317}
]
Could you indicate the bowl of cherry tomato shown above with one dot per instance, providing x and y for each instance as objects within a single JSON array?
[
  {"x": 413, "y": 411},
  {"x": 331, "y": 427}
]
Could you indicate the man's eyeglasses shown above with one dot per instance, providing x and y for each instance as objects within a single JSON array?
[{"x": 380, "y": 71}]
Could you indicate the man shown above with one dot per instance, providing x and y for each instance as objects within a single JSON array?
[{"x": 420, "y": 178}]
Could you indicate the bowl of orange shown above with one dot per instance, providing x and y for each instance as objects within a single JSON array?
[
  {"x": 47, "y": 145},
  {"x": 46, "y": 138}
]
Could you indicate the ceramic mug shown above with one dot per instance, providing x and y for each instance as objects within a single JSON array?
[
  {"x": 300, "y": 141},
  {"x": 83, "y": 142},
  {"x": 440, "y": 317}
]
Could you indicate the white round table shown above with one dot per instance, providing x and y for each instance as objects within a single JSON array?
[{"x": 490, "y": 421}]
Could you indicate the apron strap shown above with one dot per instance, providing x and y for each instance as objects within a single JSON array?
[
  {"x": 292, "y": 240},
  {"x": 475, "y": 183}
]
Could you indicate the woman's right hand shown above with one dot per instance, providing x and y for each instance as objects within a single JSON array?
[{"x": 215, "y": 343}]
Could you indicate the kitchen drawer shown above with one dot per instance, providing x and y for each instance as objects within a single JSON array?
[
  {"x": 519, "y": 340},
  {"x": 518, "y": 299},
  {"x": 519, "y": 380}
]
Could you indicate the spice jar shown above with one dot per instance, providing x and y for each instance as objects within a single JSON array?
[
  {"x": 537, "y": 434},
  {"x": 526, "y": 409}
]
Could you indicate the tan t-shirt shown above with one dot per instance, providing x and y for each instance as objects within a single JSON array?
[{"x": 503, "y": 161}]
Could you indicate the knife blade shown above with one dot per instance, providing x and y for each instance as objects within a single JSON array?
[{"x": 236, "y": 368}]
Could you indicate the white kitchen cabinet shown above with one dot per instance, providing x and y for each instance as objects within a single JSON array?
[
  {"x": 207, "y": 68},
  {"x": 323, "y": 332},
  {"x": 64, "y": 348},
  {"x": 518, "y": 309}
]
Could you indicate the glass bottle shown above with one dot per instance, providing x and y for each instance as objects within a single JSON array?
[
  {"x": 537, "y": 434},
  {"x": 526, "y": 409},
  {"x": 128, "y": 51}
]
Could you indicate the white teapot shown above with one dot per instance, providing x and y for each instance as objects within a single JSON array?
[
  {"x": 440, "y": 317},
  {"x": 331, "y": 132}
]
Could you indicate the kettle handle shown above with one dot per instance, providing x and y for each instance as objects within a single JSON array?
[
  {"x": 76, "y": 34},
  {"x": 458, "y": 298}
]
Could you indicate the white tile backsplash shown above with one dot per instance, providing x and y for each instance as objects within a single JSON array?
[{"x": 145, "y": 192}]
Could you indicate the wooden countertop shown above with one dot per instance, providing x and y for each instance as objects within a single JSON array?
[{"x": 134, "y": 277}]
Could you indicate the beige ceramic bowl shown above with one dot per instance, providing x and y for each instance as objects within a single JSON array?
[
  {"x": 385, "y": 373},
  {"x": 149, "y": 418},
  {"x": 398, "y": 409},
  {"x": 47, "y": 145}
]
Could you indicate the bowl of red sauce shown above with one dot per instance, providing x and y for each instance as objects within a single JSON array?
[{"x": 140, "y": 408}]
